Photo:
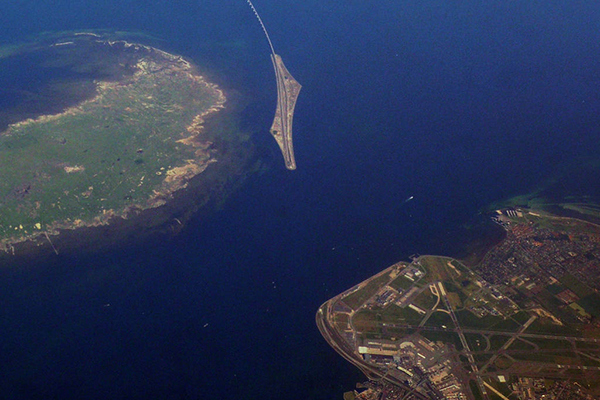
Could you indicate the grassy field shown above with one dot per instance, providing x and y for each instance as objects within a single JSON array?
[
  {"x": 547, "y": 327},
  {"x": 497, "y": 341},
  {"x": 425, "y": 300},
  {"x": 364, "y": 321},
  {"x": 469, "y": 320},
  {"x": 439, "y": 318},
  {"x": 437, "y": 269},
  {"x": 591, "y": 304},
  {"x": 110, "y": 154},
  {"x": 395, "y": 314},
  {"x": 522, "y": 345},
  {"x": 547, "y": 344},
  {"x": 355, "y": 299},
  {"x": 401, "y": 283},
  {"x": 578, "y": 287},
  {"x": 476, "y": 341}
]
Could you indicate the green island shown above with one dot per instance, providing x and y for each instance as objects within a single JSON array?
[
  {"x": 115, "y": 129},
  {"x": 523, "y": 322}
]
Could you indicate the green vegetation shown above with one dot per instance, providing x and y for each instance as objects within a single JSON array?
[
  {"x": 585, "y": 209},
  {"x": 401, "y": 283},
  {"x": 363, "y": 321},
  {"x": 436, "y": 268},
  {"x": 482, "y": 359},
  {"x": 575, "y": 285},
  {"x": 127, "y": 148},
  {"x": 587, "y": 345},
  {"x": 591, "y": 304},
  {"x": 469, "y": 287},
  {"x": 550, "y": 302},
  {"x": 475, "y": 390},
  {"x": 555, "y": 288},
  {"x": 469, "y": 320},
  {"x": 548, "y": 327},
  {"x": 439, "y": 319},
  {"x": 455, "y": 301},
  {"x": 497, "y": 342},
  {"x": 521, "y": 317},
  {"x": 460, "y": 267},
  {"x": 551, "y": 343},
  {"x": 562, "y": 358},
  {"x": 476, "y": 341},
  {"x": 397, "y": 332},
  {"x": 521, "y": 344},
  {"x": 590, "y": 360},
  {"x": 503, "y": 362},
  {"x": 357, "y": 298},
  {"x": 425, "y": 300},
  {"x": 395, "y": 314},
  {"x": 506, "y": 325},
  {"x": 503, "y": 309},
  {"x": 341, "y": 321}
]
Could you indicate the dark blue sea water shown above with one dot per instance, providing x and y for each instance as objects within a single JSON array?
[{"x": 458, "y": 104}]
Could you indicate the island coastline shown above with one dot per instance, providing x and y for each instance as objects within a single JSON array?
[{"x": 199, "y": 182}]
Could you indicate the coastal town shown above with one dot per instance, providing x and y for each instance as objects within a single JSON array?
[{"x": 521, "y": 324}]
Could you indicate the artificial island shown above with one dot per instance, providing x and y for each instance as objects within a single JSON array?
[
  {"x": 112, "y": 129},
  {"x": 521, "y": 323},
  {"x": 288, "y": 90}
]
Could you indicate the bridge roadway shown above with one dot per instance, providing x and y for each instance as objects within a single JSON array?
[{"x": 288, "y": 90}]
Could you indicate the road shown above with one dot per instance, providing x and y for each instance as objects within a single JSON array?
[
  {"x": 509, "y": 342},
  {"x": 288, "y": 90},
  {"x": 463, "y": 341},
  {"x": 339, "y": 344}
]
